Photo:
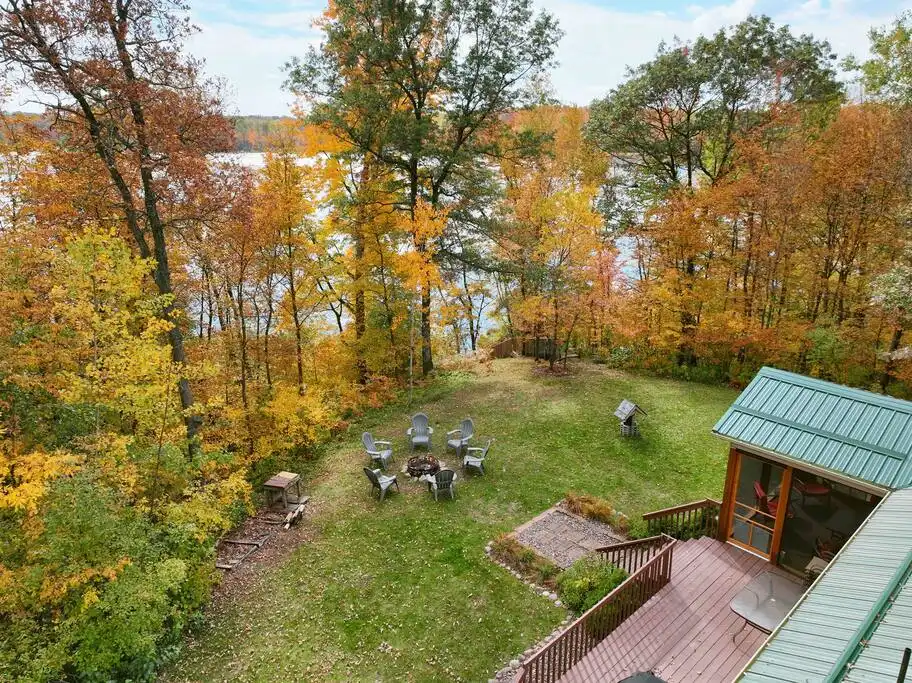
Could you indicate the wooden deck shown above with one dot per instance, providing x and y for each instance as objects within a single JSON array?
[{"x": 684, "y": 633}]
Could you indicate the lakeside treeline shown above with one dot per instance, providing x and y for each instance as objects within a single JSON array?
[{"x": 250, "y": 131}]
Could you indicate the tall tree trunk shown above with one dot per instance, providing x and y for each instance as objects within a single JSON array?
[
  {"x": 242, "y": 343},
  {"x": 210, "y": 305},
  {"x": 887, "y": 373},
  {"x": 295, "y": 314},
  {"x": 552, "y": 356},
  {"x": 390, "y": 317},
  {"x": 162, "y": 271},
  {"x": 360, "y": 314},
  {"x": 686, "y": 353},
  {"x": 427, "y": 361},
  {"x": 202, "y": 308},
  {"x": 270, "y": 311},
  {"x": 257, "y": 334},
  {"x": 470, "y": 309}
]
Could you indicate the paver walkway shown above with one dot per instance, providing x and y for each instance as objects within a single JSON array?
[{"x": 563, "y": 537}]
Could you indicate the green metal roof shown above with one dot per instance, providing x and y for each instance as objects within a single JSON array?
[
  {"x": 854, "y": 622},
  {"x": 856, "y": 433}
]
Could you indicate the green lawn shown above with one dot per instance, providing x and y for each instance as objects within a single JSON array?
[{"x": 402, "y": 590}]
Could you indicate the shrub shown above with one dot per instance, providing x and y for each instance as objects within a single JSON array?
[
  {"x": 526, "y": 561},
  {"x": 100, "y": 589},
  {"x": 296, "y": 422},
  {"x": 597, "y": 508},
  {"x": 587, "y": 581},
  {"x": 619, "y": 357}
]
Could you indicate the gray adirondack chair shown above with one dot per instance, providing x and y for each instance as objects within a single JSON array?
[
  {"x": 458, "y": 439},
  {"x": 444, "y": 482},
  {"x": 380, "y": 452},
  {"x": 475, "y": 456},
  {"x": 420, "y": 431},
  {"x": 380, "y": 482}
]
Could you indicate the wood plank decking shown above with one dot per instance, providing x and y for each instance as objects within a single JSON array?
[{"x": 684, "y": 633}]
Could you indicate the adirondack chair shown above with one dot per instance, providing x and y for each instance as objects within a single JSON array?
[
  {"x": 458, "y": 439},
  {"x": 380, "y": 452},
  {"x": 475, "y": 456},
  {"x": 380, "y": 482},
  {"x": 444, "y": 481},
  {"x": 420, "y": 431}
]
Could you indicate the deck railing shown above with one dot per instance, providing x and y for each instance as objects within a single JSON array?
[
  {"x": 632, "y": 555},
  {"x": 649, "y": 561},
  {"x": 692, "y": 520}
]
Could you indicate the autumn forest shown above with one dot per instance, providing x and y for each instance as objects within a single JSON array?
[{"x": 176, "y": 325}]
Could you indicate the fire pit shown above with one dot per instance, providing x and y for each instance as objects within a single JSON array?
[{"x": 422, "y": 464}]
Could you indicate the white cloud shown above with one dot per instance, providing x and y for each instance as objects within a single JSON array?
[
  {"x": 251, "y": 62},
  {"x": 598, "y": 45},
  {"x": 845, "y": 27},
  {"x": 600, "y": 42},
  {"x": 248, "y": 49}
]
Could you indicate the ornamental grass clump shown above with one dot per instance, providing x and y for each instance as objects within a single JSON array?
[
  {"x": 587, "y": 581},
  {"x": 597, "y": 508},
  {"x": 526, "y": 561}
]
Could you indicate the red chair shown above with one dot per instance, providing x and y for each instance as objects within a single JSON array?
[
  {"x": 764, "y": 503},
  {"x": 814, "y": 489}
]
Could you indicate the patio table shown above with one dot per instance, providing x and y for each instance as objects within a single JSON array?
[{"x": 766, "y": 600}]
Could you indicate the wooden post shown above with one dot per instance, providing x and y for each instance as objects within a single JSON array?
[
  {"x": 728, "y": 495},
  {"x": 781, "y": 514}
]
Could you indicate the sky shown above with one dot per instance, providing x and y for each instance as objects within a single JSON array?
[{"x": 246, "y": 42}]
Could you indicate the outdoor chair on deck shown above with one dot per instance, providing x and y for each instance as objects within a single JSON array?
[
  {"x": 420, "y": 431},
  {"x": 475, "y": 456},
  {"x": 380, "y": 452},
  {"x": 458, "y": 439},
  {"x": 444, "y": 481},
  {"x": 380, "y": 482}
]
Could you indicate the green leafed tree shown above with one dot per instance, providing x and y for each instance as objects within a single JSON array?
[
  {"x": 888, "y": 73},
  {"x": 419, "y": 87},
  {"x": 676, "y": 118},
  {"x": 893, "y": 290}
]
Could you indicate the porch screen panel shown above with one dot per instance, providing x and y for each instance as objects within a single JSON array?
[{"x": 757, "y": 495}]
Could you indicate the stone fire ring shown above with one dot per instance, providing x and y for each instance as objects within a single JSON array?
[{"x": 421, "y": 465}]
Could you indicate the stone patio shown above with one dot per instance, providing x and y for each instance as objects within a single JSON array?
[{"x": 564, "y": 537}]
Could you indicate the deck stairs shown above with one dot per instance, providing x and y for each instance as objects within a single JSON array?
[{"x": 686, "y": 632}]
